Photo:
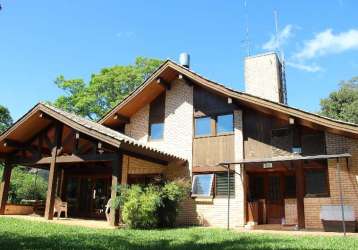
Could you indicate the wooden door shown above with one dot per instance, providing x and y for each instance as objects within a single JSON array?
[{"x": 274, "y": 200}]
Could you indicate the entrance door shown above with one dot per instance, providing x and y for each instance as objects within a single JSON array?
[{"x": 275, "y": 206}]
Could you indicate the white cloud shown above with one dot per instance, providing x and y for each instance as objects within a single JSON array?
[
  {"x": 305, "y": 67},
  {"x": 281, "y": 38},
  {"x": 326, "y": 42}
]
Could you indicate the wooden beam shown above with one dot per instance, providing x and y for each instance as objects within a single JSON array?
[
  {"x": 67, "y": 159},
  {"x": 4, "y": 187},
  {"x": 51, "y": 190},
  {"x": 164, "y": 83},
  {"x": 185, "y": 79},
  {"x": 116, "y": 177},
  {"x": 43, "y": 115},
  {"x": 121, "y": 118}
]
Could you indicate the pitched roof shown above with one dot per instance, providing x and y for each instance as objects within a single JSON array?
[
  {"x": 89, "y": 128},
  {"x": 255, "y": 102}
]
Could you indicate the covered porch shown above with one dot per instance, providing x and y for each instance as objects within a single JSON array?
[
  {"x": 275, "y": 189},
  {"x": 85, "y": 160}
]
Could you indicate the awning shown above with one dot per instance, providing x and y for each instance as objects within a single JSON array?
[{"x": 288, "y": 158}]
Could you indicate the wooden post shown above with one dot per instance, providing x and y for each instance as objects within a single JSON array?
[
  {"x": 4, "y": 187},
  {"x": 300, "y": 192},
  {"x": 116, "y": 177},
  {"x": 52, "y": 177}
]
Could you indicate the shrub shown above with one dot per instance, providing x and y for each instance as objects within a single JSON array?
[
  {"x": 172, "y": 194},
  {"x": 140, "y": 206},
  {"x": 25, "y": 185},
  {"x": 151, "y": 206}
]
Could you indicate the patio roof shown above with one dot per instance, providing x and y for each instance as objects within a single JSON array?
[{"x": 288, "y": 158}]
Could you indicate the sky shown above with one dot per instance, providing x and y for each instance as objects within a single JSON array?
[{"x": 40, "y": 40}]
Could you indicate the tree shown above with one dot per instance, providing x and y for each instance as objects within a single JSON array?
[
  {"x": 342, "y": 104},
  {"x": 105, "y": 89},
  {"x": 5, "y": 119}
]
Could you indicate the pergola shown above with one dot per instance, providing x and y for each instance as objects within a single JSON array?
[
  {"x": 49, "y": 138},
  {"x": 229, "y": 166}
]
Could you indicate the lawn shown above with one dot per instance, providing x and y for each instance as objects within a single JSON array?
[{"x": 21, "y": 234}]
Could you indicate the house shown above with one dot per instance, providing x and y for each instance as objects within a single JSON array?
[{"x": 277, "y": 164}]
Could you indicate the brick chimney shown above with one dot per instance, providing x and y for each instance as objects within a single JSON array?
[{"x": 263, "y": 76}]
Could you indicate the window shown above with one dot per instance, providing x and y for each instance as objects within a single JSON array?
[
  {"x": 202, "y": 185},
  {"x": 156, "y": 131},
  {"x": 225, "y": 124},
  {"x": 256, "y": 189},
  {"x": 290, "y": 186},
  {"x": 156, "y": 118},
  {"x": 202, "y": 126},
  {"x": 316, "y": 182},
  {"x": 221, "y": 182}
]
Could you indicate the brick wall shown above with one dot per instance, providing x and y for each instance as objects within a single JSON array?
[
  {"x": 178, "y": 123},
  {"x": 336, "y": 144},
  {"x": 262, "y": 76},
  {"x": 214, "y": 212}
]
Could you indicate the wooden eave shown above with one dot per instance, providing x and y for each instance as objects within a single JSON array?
[
  {"x": 41, "y": 116},
  {"x": 170, "y": 71}
]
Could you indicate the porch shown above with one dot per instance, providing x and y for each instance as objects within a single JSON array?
[
  {"x": 277, "y": 190},
  {"x": 85, "y": 161}
]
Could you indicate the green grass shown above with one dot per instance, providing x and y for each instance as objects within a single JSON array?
[{"x": 22, "y": 234}]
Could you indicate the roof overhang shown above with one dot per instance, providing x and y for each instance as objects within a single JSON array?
[
  {"x": 170, "y": 71},
  {"x": 42, "y": 115}
]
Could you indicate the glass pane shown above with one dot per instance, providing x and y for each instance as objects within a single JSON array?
[
  {"x": 225, "y": 123},
  {"x": 156, "y": 131},
  {"x": 202, "y": 185},
  {"x": 316, "y": 183},
  {"x": 202, "y": 126}
]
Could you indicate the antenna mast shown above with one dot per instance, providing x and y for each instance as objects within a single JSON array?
[
  {"x": 282, "y": 57},
  {"x": 247, "y": 39}
]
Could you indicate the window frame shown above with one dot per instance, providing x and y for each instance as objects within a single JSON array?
[
  {"x": 232, "y": 177},
  {"x": 210, "y": 124},
  {"x": 150, "y": 131},
  {"x": 327, "y": 191},
  {"x": 226, "y": 132},
  {"x": 211, "y": 191}
]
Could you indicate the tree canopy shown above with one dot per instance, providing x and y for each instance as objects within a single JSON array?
[
  {"x": 5, "y": 119},
  {"x": 342, "y": 104},
  {"x": 105, "y": 89}
]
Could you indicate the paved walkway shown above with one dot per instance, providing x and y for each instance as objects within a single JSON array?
[{"x": 99, "y": 224}]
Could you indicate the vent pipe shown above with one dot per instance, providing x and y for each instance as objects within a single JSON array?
[{"x": 184, "y": 60}]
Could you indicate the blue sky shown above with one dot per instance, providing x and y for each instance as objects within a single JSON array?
[{"x": 40, "y": 40}]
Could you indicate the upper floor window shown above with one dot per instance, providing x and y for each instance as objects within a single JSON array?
[
  {"x": 156, "y": 118},
  {"x": 225, "y": 124},
  {"x": 202, "y": 126}
]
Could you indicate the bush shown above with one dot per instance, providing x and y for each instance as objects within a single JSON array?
[
  {"x": 172, "y": 194},
  {"x": 151, "y": 206},
  {"x": 140, "y": 207},
  {"x": 25, "y": 185}
]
